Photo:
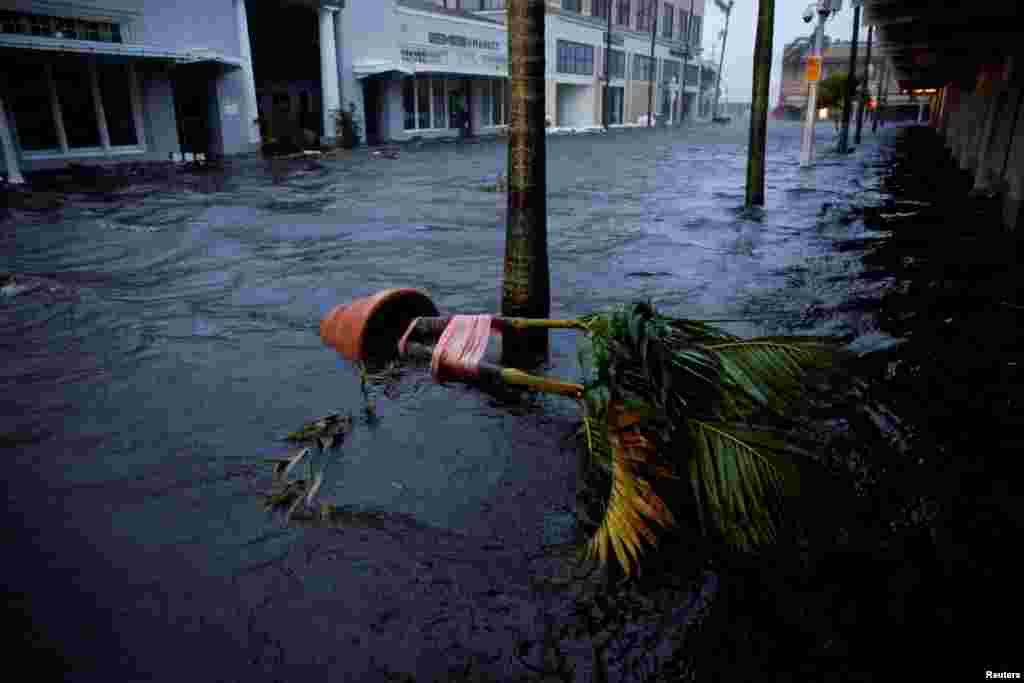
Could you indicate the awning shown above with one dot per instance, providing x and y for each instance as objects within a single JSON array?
[
  {"x": 132, "y": 50},
  {"x": 366, "y": 69}
]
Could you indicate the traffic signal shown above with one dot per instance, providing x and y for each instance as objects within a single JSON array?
[{"x": 872, "y": 103}]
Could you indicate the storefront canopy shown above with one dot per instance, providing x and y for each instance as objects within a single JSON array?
[
  {"x": 366, "y": 69},
  {"x": 135, "y": 50}
]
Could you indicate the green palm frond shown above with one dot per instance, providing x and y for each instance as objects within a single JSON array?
[
  {"x": 768, "y": 372},
  {"x": 736, "y": 483},
  {"x": 634, "y": 508},
  {"x": 690, "y": 387}
]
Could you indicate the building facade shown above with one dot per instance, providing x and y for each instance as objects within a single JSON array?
[
  {"x": 103, "y": 81},
  {"x": 424, "y": 67}
]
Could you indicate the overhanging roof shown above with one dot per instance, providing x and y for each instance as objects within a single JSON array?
[
  {"x": 931, "y": 43},
  {"x": 130, "y": 50},
  {"x": 366, "y": 69}
]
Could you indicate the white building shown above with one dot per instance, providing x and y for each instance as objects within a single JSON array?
[{"x": 416, "y": 64}]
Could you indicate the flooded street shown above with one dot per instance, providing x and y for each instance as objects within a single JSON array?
[{"x": 163, "y": 338}]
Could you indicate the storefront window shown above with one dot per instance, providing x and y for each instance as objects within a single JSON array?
[
  {"x": 440, "y": 115},
  {"x": 57, "y": 27},
  {"x": 32, "y": 110},
  {"x": 408, "y": 104},
  {"x": 423, "y": 103},
  {"x": 37, "y": 121},
  {"x": 74, "y": 91},
  {"x": 115, "y": 91}
]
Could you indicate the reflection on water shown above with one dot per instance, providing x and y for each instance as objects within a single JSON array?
[{"x": 167, "y": 339}]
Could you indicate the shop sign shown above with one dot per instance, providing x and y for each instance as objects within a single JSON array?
[
  {"x": 424, "y": 56},
  {"x": 813, "y": 69},
  {"x": 462, "y": 41}
]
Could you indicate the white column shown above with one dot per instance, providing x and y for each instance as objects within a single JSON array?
[
  {"x": 339, "y": 59},
  {"x": 245, "y": 50},
  {"x": 133, "y": 85},
  {"x": 10, "y": 155},
  {"x": 101, "y": 115},
  {"x": 330, "y": 100},
  {"x": 58, "y": 114}
]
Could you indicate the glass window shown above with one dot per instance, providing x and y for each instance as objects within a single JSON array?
[
  {"x": 684, "y": 22},
  {"x": 440, "y": 115},
  {"x": 617, "y": 64},
  {"x": 74, "y": 90},
  {"x": 670, "y": 70},
  {"x": 487, "y": 104},
  {"x": 32, "y": 110},
  {"x": 623, "y": 13},
  {"x": 116, "y": 93},
  {"x": 408, "y": 104},
  {"x": 645, "y": 13},
  {"x": 571, "y": 5},
  {"x": 666, "y": 22},
  {"x": 643, "y": 68},
  {"x": 508, "y": 101},
  {"x": 575, "y": 58},
  {"x": 695, "y": 29},
  {"x": 492, "y": 4},
  {"x": 422, "y": 103},
  {"x": 601, "y": 8}
]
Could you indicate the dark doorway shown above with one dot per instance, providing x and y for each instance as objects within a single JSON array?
[
  {"x": 371, "y": 105},
  {"x": 191, "y": 86},
  {"x": 285, "y": 40}
]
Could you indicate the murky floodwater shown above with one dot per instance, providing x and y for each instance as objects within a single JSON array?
[{"x": 168, "y": 337}]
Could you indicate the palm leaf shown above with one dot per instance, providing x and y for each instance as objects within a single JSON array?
[
  {"x": 633, "y": 506},
  {"x": 737, "y": 483},
  {"x": 767, "y": 372}
]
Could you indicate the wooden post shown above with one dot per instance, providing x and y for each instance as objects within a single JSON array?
[
  {"x": 851, "y": 84},
  {"x": 759, "y": 103},
  {"x": 526, "y": 288},
  {"x": 866, "y": 92}
]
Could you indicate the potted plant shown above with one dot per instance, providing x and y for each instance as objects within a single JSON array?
[{"x": 347, "y": 126}]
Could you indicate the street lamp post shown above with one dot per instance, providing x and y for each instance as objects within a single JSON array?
[
  {"x": 824, "y": 9},
  {"x": 727, "y": 8}
]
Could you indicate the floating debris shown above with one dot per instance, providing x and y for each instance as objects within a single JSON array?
[{"x": 334, "y": 427}]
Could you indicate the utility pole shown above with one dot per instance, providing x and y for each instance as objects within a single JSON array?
[
  {"x": 653, "y": 4},
  {"x": 851, "y": 82},
  {"x": 606, "y": 119},
  {"x": 867, "y": 86},
  {"x": 721, "y": 58},
  {"x": 686, "y": 63},
  {"x": 759, "y": 103},
  {"x": 526, "y": 286},
  {"x": 878, "y": 100},
  {"x": 824, "y": 9}
]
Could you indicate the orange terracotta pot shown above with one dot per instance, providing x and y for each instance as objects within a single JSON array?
[{"x": 370, "y": 327}]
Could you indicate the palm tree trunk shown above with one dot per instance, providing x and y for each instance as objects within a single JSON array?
[{"x": 526, "y": 290}]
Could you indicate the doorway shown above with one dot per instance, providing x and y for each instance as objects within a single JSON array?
[
  {"x": 191, "y": 88},
  {"x": 458, "y": 103},
  {"x": 371, "y": 105}
]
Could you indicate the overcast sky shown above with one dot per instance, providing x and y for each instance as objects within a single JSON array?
[{"x": 738, "y": 72}]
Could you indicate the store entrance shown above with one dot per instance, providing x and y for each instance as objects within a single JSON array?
[{"x": 458, "y": 103}]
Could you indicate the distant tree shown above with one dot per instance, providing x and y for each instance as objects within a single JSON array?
[{"x": 832, "y": 89}]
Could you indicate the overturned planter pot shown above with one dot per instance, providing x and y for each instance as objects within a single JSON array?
[{"x": 370, "y": 327}]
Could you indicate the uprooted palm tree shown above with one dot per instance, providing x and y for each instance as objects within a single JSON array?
[{"x": 671, "y": 400}]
